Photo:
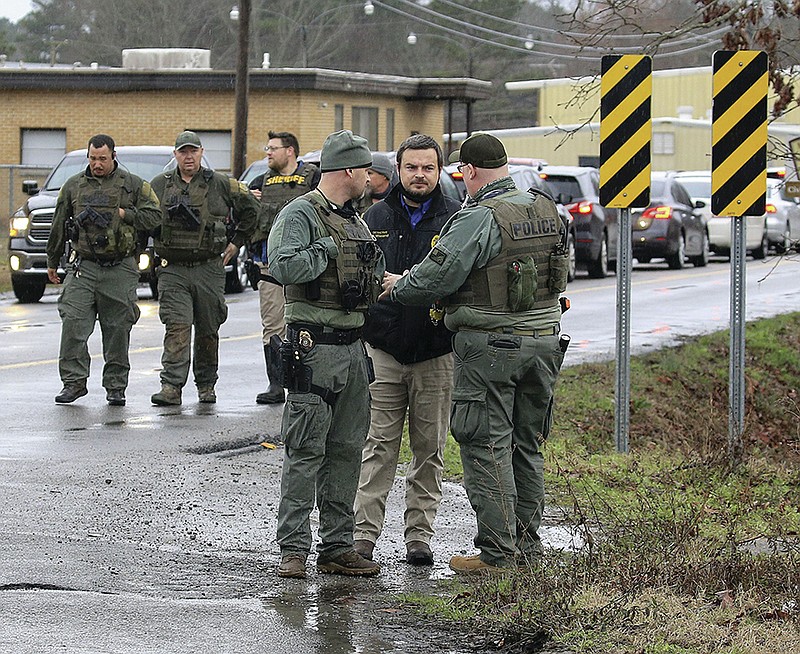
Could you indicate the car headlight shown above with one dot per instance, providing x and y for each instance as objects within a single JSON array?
[
  {"x": 18, "y": 225},
  {"x": 144, "y": 261},
  {"x": 14, "y": 262}
]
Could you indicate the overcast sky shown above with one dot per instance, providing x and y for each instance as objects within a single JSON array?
[{"x": 14, "y": 9}]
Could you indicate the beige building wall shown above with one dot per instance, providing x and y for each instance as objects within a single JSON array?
[{"x": 156, "y": 117}]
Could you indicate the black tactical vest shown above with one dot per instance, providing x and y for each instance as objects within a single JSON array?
[
  {"x": 184, "y": 238},
  {"x": 530, "y": 271},
  {"x": 348, "y": 283},
  {"x": 276, "y": 191},
  {"x": 101, "y": 233}
]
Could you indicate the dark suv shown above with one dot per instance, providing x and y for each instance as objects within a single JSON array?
[
  {"x": 578, "y": 187},
  {"x": 30, "y": 225}
]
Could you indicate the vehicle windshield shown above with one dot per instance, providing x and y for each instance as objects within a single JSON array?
[
  {"x": 657, "y": 188},
  {"x": 697, "y": 187},
  {"x": 144, "y": 164},
  {"x": 567, "y": 185}
]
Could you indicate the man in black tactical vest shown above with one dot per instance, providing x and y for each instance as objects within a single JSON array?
[
  {"x": 193, "y": 244},
  {"x": 286, "y": 179},
  {"x": 499, "y": 267},
  {"x": 327, "y": 259},
  {"x": 99, "y": 211}
]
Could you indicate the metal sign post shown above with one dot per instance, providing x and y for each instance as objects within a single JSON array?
[
  {"x": 738, "y": 304},
  {"x": 625, "y": 134},
  {"x": 622, "y": 384}
]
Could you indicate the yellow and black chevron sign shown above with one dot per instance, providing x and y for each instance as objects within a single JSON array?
[
  {"x": 626, "y": 86},
  {"x": 739, "y": 134}
]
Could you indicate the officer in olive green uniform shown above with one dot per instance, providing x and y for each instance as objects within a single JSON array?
[
  {"x": 192, "y": 242},
  {"x": 499, "y": 266},
  {"x": 330, "y": 266},
  {"x": 99, "y": 212}
]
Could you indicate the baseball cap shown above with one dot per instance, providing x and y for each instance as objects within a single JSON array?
[
  {"x": 344, "y": 149},
  {"x": 187, "y": 138},
  {"x": 482, "y": 151}
]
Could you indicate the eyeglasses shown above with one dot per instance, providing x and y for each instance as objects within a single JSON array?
[
  {"x": 460, "y": 167},
  {"x": 272, "y": 148}
]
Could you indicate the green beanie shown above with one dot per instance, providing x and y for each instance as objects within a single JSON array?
[{"x": 344, "y": 150}]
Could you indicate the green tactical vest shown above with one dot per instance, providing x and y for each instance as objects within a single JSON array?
[
  {"x": 348, "y": 282},
  {"x": 276, "y": 191},
  {"x": 180, "y": 242},
  {"x": 118, "y": 239},
  {"x": 531, "y": 270}
]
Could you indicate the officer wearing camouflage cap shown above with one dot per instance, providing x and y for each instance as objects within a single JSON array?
[
  {"x": 193, "y": 244},
  {"x": 330, "y": 265},
  {"x": 498, "y": 267}
]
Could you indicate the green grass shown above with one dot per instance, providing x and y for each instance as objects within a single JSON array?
[{"x": 684, "y": 553}]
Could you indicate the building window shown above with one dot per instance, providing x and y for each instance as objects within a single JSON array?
[
  {"x": 390, "y": 129},
  {"x": 216, "y": 148},
  {"x": 338, "y": 117},
  {"x": 365, "y": 123},
  {"x": 663, "y": 143},
  {"x": 43, "y": 147}
]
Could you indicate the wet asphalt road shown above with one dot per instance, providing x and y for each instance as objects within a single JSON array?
[{"x": 145, "y": 529}]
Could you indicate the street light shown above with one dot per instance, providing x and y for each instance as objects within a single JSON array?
[
  {"x": 412, "y": 39},
  {"x": 241, "y": 14}
]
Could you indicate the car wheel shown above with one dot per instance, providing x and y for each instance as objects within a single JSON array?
[
  {"x": 701, "y": 260},
  {"x": 571, "y": 254},
  {"x": 676, "y": 261},
  {"x": 785, "y": 243},
  {"x": 761, "y": 251},
  {"x": 599, "y": 267},
  {"x": 28, "y": 291}
]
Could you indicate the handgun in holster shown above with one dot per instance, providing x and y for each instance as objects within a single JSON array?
[{"x": 293, "y": 374}]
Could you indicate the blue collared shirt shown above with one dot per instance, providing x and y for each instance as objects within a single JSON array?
[{"x": 415, "y": 213}]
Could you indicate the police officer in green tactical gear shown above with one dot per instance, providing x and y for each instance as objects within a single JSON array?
[
  {"x": 330, "y": 265},
  {"x": 99, "y": 211},
  {"x": 498, "y": 267},
  {"x": 192, "y": 241}
]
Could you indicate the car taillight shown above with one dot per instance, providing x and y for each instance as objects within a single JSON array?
[
  {"x": 580, "y": 208},
  {"x": 658, "y": 213},
  {"x": 771, "y": 208}
]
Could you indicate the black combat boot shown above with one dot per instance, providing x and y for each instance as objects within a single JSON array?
[{"x": 274, "y": 393}]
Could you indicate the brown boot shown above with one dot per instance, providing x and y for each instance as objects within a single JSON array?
[
  {"x": 169, "y": 395},
  {"x": 364, "y": 547},
  {"x": 206, "y": 394},
  {"x": 292, "y": 566},
  {"x": 349, "y": 563},
  {"x": 418, "y": 553},
  {"x": 472, "y": 565}
]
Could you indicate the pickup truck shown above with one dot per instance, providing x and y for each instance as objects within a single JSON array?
[{"x": 29, "y": 227}]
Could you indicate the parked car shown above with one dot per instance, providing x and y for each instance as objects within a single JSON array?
[
  {"x": 698, "y": 185},
  {"x": 782, "y": 217},
  {"x": 671, "y": 227},
  {"x": 578, "y": 188}
]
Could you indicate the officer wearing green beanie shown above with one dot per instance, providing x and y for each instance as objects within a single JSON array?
[
  {"x": 498, "y": 268},
  {"x": 330, "y": 265}
]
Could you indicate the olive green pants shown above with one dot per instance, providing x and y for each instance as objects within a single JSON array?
[
  {"x": 322, "y": 455},
  {"x": 501, "y": 415},
  {"x": 104, "y": 294},
  {"x": 191, "y": 295}
]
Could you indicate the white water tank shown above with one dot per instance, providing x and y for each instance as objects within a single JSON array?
[{"x": 166, "y": 58}]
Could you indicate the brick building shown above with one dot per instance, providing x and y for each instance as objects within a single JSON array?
[{"x": 47, "y": 111}]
